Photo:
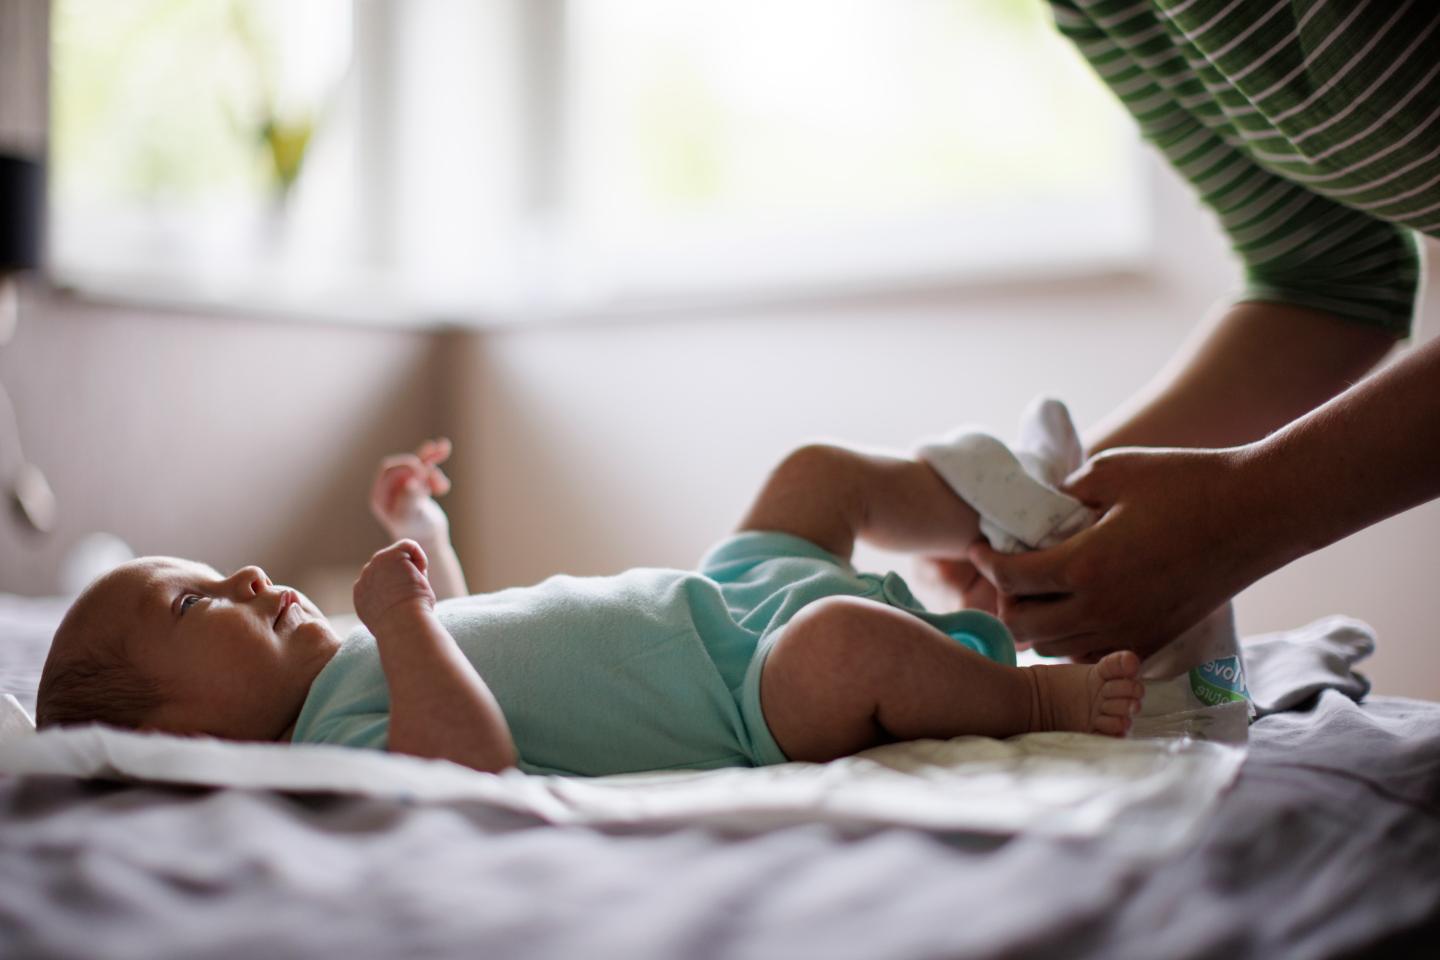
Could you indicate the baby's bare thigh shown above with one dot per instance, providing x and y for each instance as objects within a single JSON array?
[{"x": 821, "y": 683}]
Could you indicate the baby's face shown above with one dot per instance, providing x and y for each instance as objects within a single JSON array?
[{"x": 233, "y": 656}]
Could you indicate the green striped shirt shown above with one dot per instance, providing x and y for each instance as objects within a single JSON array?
[{"x": 1310, "y": 127}]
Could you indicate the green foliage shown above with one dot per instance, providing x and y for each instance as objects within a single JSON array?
[{"x": 172, "y": 100}]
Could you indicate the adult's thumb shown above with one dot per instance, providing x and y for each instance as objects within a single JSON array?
[{"x": 1096, "y": 482}]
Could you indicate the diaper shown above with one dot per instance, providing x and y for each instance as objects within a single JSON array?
[{"x": 1195, "y": 684}]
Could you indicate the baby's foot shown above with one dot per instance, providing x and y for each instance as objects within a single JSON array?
[{"x": 1096, "y": 698}]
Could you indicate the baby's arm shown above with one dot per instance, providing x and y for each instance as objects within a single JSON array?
[
  {"x": 402, "y": 499},
  {"x": 439, "y": 706}
]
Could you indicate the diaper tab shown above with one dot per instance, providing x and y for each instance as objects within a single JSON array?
[
  {"x": 974, "y": 629},
  {"x": 1219, "y": 681}
]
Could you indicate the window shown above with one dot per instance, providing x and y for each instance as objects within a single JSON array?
[
  {"x": 850, "y": 142},
  {"x": 200, "y": 144},
  {"x": 486, "y": 157}
]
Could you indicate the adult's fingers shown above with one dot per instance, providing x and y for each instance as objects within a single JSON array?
[
  {"x": 1040, "y": 620},
  {"x": 1094, "y": 482},
  {"x": 1086, "y": 647},
  {"x": 1020, "y": 574},
  {"x": 960, "y": 574},
  {"x": 981, "y": 595},
  {"x": 962, "y": 577},
  {"x": 1053, "y": 627}
]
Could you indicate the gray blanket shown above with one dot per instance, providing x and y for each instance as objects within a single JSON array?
[{"x": 1326, "y": 847}]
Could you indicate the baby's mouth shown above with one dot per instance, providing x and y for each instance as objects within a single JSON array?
[{"x": 287, "y": 600}]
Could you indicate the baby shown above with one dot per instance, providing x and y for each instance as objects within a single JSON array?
[{"x": 775, "y": 649}]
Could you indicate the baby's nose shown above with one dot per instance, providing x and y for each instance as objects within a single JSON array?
[{"x": 252, "y": 580}]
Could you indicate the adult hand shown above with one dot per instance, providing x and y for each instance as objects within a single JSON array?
[
  {"x": 957, "y": 583},
  {"x": 401, "y": 498},
  {"x": 1172, "y": 545}
]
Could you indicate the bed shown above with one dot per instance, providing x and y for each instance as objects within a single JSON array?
[{"x": 1326, "y": 844}]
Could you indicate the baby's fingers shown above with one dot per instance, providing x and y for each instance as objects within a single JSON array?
[
  {"x": 395, "y": 471},
  {"x": 431, "y": 454},
  {"x": 434, "y": 451},
  {"x": 397, "y": 460},
  {"x": 397, "y": 474},
  {"x": 400, "y": 551},
  {"x": 412, "y": 550}
]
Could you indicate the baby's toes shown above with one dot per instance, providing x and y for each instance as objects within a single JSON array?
[
  {"x": 1111, "y": 726},
  {"x": 1120, "y": 665},
  {"x": 1130, "y": 689},
  {"x": 1119, "y": 707}
]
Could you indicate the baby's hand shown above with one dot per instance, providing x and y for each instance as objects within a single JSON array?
[
  {"x": 401, "y": 497},
  {"x": 393, "y": 584}
]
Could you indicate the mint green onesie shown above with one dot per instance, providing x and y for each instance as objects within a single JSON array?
[{"x": 651, "y": 669}]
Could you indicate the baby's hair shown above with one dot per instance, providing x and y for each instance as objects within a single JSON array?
[{"x": 99, "y": 685}]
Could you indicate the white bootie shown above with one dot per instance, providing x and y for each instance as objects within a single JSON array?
[{"x": 1015, "y": 491}]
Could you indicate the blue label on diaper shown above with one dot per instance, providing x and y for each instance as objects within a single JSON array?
[{"x": 1219, "y": 681}]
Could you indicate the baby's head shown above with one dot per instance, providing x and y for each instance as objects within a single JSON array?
[{"x": 171, "y": 645}]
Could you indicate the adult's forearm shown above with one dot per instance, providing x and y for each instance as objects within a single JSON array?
[
  {"x": 1255, "y": 368},
  {"x": 1372, "y": 452},
  {"x": 439, "y": 705}
]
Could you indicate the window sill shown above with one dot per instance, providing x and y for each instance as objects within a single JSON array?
[
  {"x": 660, "y": 279},
  {"x": 359, "y": 303},
  {"x": 381, "y": 306}
]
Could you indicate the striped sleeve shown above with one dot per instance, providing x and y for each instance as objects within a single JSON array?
[{"x": 1297, "y": 246}]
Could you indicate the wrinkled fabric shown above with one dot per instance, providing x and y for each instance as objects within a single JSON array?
[{"x": 1325, "y": 847}]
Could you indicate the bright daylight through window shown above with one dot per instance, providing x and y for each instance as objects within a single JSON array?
[
  {"x": 845, "y": 142},
  {"x": 614, "y": 151},
  {"x": 200, "y": 145}
]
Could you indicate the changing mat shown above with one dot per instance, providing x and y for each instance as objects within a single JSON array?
[{"x": 1056, "y": 784}]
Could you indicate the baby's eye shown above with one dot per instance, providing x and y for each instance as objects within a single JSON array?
[{"x": 188, "y": 601}]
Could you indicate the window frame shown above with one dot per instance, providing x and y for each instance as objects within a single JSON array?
[{"x": 548, "y": 268}]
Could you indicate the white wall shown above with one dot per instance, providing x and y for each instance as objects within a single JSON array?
[
  {"x": 227, "y": 439},
  {"x": 587, "y": 449}
]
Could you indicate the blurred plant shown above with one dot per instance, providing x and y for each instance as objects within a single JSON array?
[
  {"x": 284, "y": 134},
  {"x": 287, "y": 143}
]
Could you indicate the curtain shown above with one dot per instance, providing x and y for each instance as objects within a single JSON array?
[{"x": 24, "y": 67}]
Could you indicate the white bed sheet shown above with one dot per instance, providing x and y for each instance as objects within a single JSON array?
[
  {"x": 1050, "y": 784},
  {"x": 1057, "y": 785}
]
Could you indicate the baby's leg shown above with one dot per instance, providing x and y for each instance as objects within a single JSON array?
[
  {"x": 848, "y": 674},
  {"x": 831, "y": 495}
]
